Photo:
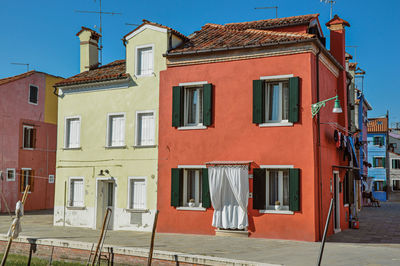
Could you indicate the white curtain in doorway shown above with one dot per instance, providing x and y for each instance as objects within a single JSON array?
[{"x": 229, "y": 192}]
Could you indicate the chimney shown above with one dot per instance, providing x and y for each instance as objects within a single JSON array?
[
  {"x": 89, "y": 40},
  {"x": 337, "y": 38}
]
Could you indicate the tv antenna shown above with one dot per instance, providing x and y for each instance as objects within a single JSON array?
[
  {"x": 132, "y": 24},
  {"x": 269, "y": 7},
  {"x": 331, "y": 2},
  {"x": 22, "y": 64},
  {"x": 100, "y": 12}
]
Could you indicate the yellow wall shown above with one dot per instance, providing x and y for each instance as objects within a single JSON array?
[
  {"x": 93, "y": 106},
  {"x": 51, "y": 100}
]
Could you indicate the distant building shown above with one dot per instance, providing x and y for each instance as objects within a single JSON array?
[
  {"x": 28, "y": 135},
  {"x": 394, "y": 165},
  {"x": 378, "y": 156}
]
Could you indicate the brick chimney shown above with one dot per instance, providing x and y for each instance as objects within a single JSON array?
[
  {"x": 89, "y": 40},
  {"x": 337, "y": 38}
]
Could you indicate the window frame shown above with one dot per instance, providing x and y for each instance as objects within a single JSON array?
[
  {"x": 184, "y": 189},
  {"x": 379, "y": 157},
  {"x": 383, "y": 185},
  {"x": 275, "y": 167},
  {"x": 26, "y": 169},
  {"x": 51, "y": 178},
  {"x": 392, "y": 185},
  {"x": 108, "y": 140},
  {"x": 141, "y": 47},
  {"x": 138, "y": 113},
  {"x": 70, "y": 179},
  {"x": 37, "y": 94},
  {"x": 391, "y": 163},
  {"x": 276, "y": 78},
  {"x": 66, "y": 141},
  {"x": 23, "y": 137},
  {"x": 14, "y": 174},
  {"x": 381, "y": 142},
  {"x": 131, "y": 179}
]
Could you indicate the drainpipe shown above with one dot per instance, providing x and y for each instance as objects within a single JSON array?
[{"x": 319, "y": 150}]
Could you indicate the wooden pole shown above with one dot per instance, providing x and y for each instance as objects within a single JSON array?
[
  {"x": 3, "y": 262},
  {"x": 321, "y": 251},
  {"x": 153, "y": 233},
  {"x": 65, "y": 200},
  {"x": 101, "y": 236}
]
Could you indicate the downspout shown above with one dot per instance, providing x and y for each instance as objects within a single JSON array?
[{"x": 319, "y": 151}]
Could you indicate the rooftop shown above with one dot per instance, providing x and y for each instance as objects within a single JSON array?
[
  {"x": 112, "y": 71},
  {"x": 376, "y": 125},
  {"x": 146, "y": 22},
  {"x": 21, "y": 76}
]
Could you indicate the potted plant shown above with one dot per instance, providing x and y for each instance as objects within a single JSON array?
[
  {"x": 191, "y": 203},
  {"x": 277, "y": 205}
]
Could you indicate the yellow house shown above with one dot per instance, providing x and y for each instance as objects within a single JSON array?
[{"x": 107, "y": 148}]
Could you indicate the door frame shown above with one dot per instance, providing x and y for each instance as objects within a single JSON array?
[
  {"x": 336, "y": 196},
  {"x": 104, "y": 179}
]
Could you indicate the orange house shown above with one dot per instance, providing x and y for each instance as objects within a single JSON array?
[{"x": 239, "y": 149}]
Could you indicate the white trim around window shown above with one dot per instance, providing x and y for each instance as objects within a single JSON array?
[
  {"x": 277, "y": 77},
  {"x": 142, "y": 47},
  {"x": 391, "y": 163},
  {"x": 31, "y": 137},
  {"x": 37, "y": 94},
  {"x": 80, "y": 195},
  {"x": 119, "y": 142},
  {"x": 12, "y": 170},
  {"x": 51, "y": 179},
  {"x": 72, "y": 141},
  {"x": 145, "y": 132},
  {"x": 142, "y": 204}
]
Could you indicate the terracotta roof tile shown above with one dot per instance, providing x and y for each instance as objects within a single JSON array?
[
  {"x": 273, "y": 23},
  {"x": 21, "y": 76},
  {"x": 95, "y": 34},
  {"x": 177, "y": 33},
  {"x": 112, "y": 71},
  {"x": 214, "y": 36},
  {"x": 377, "y": 125},
  {"x": 336, "y": 20}
]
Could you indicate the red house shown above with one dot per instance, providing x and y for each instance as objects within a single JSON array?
[
  {"x": 240, "y": 151},
  {"x": 28, "y": 136}
]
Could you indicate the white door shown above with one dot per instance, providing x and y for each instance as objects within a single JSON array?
[{"x": 105, "y": 200}]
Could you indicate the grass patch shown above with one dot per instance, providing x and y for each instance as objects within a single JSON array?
[{"x": 20, "y": 260}]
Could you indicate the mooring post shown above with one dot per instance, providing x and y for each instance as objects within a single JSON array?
[
  {"x": 152, "y": 239},
  {"x": 99, "y": 244},
  {"x": 321, "y": 250}
]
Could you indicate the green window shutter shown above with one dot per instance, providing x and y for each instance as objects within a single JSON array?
[
  {"x": 258, "y": 101},
  {"x": 259, "y": 189},
  {"x": 383, "y": 162},
  {"x": 176, "y": 186},
  {"x": 205, "y": 189},
  {"x": 374, "y": 162},
  {"x": 393, "y": 164},
  {"x": 294, "y": 189},
  {"x": 382, "y": 142},
  {"x": 375, "y": 140},
  {"x": 177, "y": 106},
  {"x": 207, "y": 104},
  {"x": 294, "y": 99}
]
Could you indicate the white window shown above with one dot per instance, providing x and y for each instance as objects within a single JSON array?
[
  {"x": 395, "y": 163},
  {"x": 29, "y": 137},
  {"x": 193, "y": 106},
  {"x": 192, "y": 183},
  {"x": 145, "y": 128},
  {"x": 144, "y": 61},
  {"x": 26, "y": 178},
  {"x": 10, "y": 174},
  {"x": 33, "y": 94},
  {"x": 51, "y": 179},
  {"x": 276, "y": 101},
  {"x": 76, "y": 192},
  {"x": 116, "y": 130},
  {"x": 277, "y": 188},
  {"x": 137, "y": 193},
  {"x": 72, "y": 132}
]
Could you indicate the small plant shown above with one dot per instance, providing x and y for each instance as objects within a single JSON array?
[
  {"x": 277, "y": 202},
  {"x": 277, "y": 205},
  {"x": 192, "y": 203}
]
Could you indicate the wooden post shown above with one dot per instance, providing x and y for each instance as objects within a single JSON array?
[
  {"x": 65, "y": 200},
  {"x": 153, "y": 233},
  {"x": 3, "y": 262},
  {"x": 321, "y": 251},
  {"x": 101, "y": 236}
]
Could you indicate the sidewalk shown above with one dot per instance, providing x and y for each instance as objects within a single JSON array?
[{"x": 281, "y": 252}]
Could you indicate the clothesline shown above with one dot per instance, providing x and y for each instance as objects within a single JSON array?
[
  {"x": 36, "y": 176},
  {"x": 335, "y": 125}
]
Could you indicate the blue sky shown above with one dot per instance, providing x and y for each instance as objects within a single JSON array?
[{"x": 42, "y": 33}]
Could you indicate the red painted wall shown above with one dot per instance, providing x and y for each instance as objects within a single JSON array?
[{"x": 233, "y": 137}]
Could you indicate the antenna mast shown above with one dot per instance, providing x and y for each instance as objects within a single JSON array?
[
  {"x": 270, "y": 7},
  {"x": 100, "y": 12},
  {"x": 22, "y": 64},
  {"x": 331, "y": 2}
]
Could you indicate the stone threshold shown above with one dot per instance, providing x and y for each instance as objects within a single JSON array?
[{"x": 72, "y": 249}]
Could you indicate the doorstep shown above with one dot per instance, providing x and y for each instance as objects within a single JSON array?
[{"x": 231, "y": 233}]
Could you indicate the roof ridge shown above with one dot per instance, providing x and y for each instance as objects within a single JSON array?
[
  {"x": 145, "y": 21},
  {"x": 272, "y": 19},
  {"x": 281, "y": 33}
]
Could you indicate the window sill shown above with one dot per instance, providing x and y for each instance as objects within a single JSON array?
[
  {"x": 277, "y": 212},
  {"x": 28, "y": 149},
  {"x": 115, "y": 147},
  {"x": 10, "y": 180},
  {"x": 33, "y": 103},
  {"x": 278, "y": 124},
  {"x": 136, "y": 210},
  {"x": 145, "y": 75},
  {"x": 192, "y": 127},
  {"x": 76, "y": 207},
  {"x": 191, "y": 209},
  {"x": 346, "y": 205},
  {"x": 77, "y": 148},
  {"x": 144, "y": 146}
]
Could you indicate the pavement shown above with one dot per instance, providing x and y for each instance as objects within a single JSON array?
[{"x": 377, "y": 242}]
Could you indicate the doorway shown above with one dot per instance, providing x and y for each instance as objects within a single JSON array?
[
  {"x": 336, "y": 199},
  {"x": 105, "y": 199}
]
